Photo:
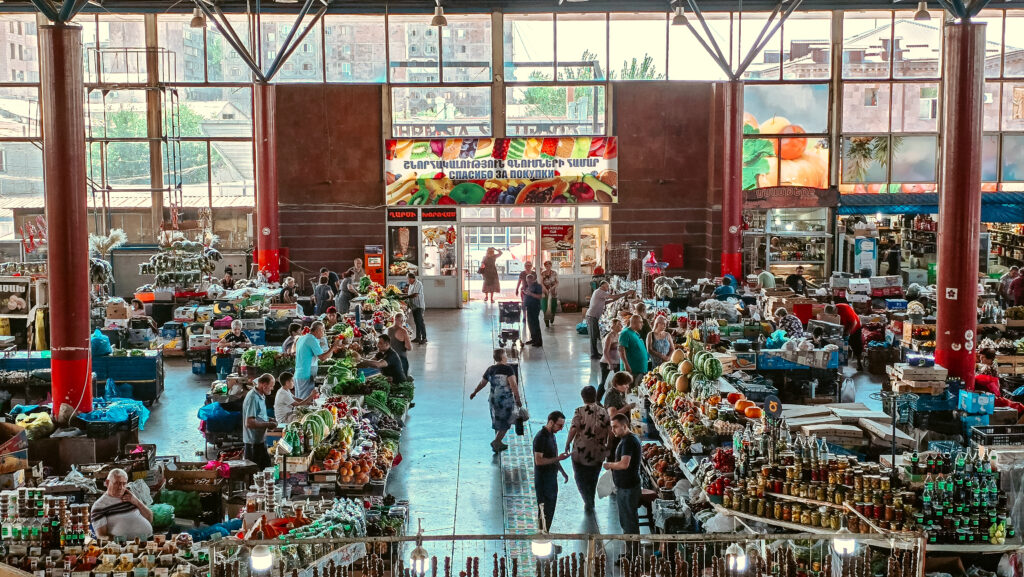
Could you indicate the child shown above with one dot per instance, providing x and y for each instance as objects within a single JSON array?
[
  {"x": 818, "y": 337},
  {"x": 285, "y": 401}
]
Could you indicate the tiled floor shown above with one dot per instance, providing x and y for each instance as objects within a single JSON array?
[{"x": 453, "y": 480}]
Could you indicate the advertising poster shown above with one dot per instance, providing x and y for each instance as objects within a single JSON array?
[
  {"x": 489, "y": 171},
  {"x": 403, "y": 256},
  {"x": 865, "y": 254},
  {"x": 13, "y": 297},
  {"x": 556, "y": 237}
]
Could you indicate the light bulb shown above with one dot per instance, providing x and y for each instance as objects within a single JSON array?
[
  {"x": 736, "y": 558},
  {"x": 844, "y": 545},
  {"x": 541, "y": 547},
  {"x": 261, "y": 558}
]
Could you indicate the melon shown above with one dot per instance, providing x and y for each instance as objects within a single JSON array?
[
  {"x": 682, "y": 384},
  {"x": 686, "y": 367},
  {"x": 677, "y": 357}
]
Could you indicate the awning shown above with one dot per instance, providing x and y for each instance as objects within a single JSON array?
[{"x": 995, "y": 206}]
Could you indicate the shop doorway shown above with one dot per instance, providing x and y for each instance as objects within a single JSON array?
[{"x": 517, "y": 245}]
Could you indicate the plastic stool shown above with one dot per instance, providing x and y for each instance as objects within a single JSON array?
[{"x": 647, "y": 499}]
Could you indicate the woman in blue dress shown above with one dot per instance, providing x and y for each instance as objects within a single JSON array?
[{"x": 504, "y": 399}]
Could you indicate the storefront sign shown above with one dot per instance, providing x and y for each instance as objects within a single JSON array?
[
  {"x": 438, "y": 214},
  {"x": 790, "y": 197},
  {"x": 13, "y": 296},
  {"x": 402, "y": 215},
  {"x": 474, "y": 171},
  {"x": 556, "y": 237}
]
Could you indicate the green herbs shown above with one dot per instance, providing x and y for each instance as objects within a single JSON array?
[{"x": 756, "y": 155}]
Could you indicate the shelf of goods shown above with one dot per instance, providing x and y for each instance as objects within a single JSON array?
[{"x": 142, "y": 370}]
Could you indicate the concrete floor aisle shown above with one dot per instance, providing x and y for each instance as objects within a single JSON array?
[{"x": 453, "y": 480}]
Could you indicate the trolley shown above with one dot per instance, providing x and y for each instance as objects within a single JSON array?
[{"x": 510, "y": 325}]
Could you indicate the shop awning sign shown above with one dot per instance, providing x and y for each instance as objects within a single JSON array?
[
  {"x": 790, "y": 197},
  {"x": 492, "y": 171}
]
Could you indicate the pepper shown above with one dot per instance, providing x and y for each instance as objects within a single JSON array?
[{"x": 420, "y": 197}]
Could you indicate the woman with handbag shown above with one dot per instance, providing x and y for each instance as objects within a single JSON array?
[{"x": 505, "y": 402}]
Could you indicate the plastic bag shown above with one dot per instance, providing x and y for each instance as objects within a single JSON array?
[
  {"x": 848, "y": 394},
  {"x": 163, "y": 515},
  {"x": 185, "y": 503},
  {"x": 140, "y": 489},
  {"x": 37, "y": 425},
  {"x": 720, "y": 524},
  {"x": 219, "y": 420},
  {"x": 100, "y": 344},
  {"x": 112, "y": 390},
  {"x": 605, "y": 485}
]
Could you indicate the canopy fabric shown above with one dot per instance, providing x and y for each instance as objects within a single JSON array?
[{"x": 995, "y": 206}]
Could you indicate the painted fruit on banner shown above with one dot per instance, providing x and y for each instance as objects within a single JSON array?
[
  {"x": 784, "y": 157},
  {"x": 501, "y": 171}
]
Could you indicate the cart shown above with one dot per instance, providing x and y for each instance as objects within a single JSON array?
[{"x": 510, "y": 325}]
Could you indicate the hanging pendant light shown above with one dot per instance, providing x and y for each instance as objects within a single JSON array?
[
  {"x": 922, "y": 14},
  {"x": 680, "y": 15},
  {"x": 198, "y": 19},
  {"x": 438, "y": 19}
]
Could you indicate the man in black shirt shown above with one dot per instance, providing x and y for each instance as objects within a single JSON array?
[
  {"x": 532, "y": 293},
  {"x": 547, "y": 463},
  {"x": 626, "y": 476},
  {"x": 388, "y": 361},
  {"x": 797, "y": 282},
  {"x": 333, "y": 280}
]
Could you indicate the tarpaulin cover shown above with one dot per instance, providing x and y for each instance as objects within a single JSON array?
[{"x": 995, "y": 206}]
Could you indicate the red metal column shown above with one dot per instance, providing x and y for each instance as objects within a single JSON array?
[
  {"x": 268, "y": 235},
  {"x": 731, "y": 94},
  {"x": 960, "y": 199},
  {"x": 62, "y": 94}
]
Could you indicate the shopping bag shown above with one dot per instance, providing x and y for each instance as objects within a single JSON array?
[
  {"x": 848, "y": 394},
  {"x": 605, "y": 485}
]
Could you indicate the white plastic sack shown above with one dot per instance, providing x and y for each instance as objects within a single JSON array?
[
  {"x": 721, "y": 524},
  {"x": 848, "y": 394},
  {"x": 140, "y": 489},
  {"x": 605, "y": 485}
]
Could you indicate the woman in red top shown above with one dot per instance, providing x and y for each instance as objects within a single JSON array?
[{"x": 851, "y": 328}]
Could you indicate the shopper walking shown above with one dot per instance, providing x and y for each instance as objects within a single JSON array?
[
  {"x": 615, "y": 402},
  {"x": 323, "y": 296},
  {"x": 632, "y": 351},
  {"x": 256, "y": 421},
  {"x": 308, "y": 354},
  {"x": 625, "y": 470},
  {"x": 332, "y": 278},
  {"x": 400, "y": 339},
  {"x": 489, "y": 270},
  {"x": 532, "y": 295},
  {"x": 599, "y": 299},
  {"x": 659, "y": 342},
  {"x": 417, "y": 304},
  {"x": 504, "y": 398},
  {"x": 640, "y": 309},
  {"x": 547, "y": 464},
  {"x": 588, "y": 437},
  {"x": 610, "y": 359},
  {"x": 549, "y": 303}
]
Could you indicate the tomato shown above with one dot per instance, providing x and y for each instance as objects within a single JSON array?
[{"x": 792, "y": 148}]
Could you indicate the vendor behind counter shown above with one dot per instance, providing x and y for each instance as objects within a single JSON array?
[{"x": 119, "y": 513}]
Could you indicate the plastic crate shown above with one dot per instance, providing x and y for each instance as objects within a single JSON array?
[
  {"x": 927, "y": 403},
  {"x": 757, "y": 392},
  {"x": 998, "y": 435},
  {"x": 198, "y": 367}
]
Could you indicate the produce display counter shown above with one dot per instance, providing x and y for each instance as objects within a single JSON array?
[{"x": 143, "y": 370}]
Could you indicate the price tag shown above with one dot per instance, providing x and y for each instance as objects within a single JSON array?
[
  {"x": 692, "y": 464},
  {"x": 39, "y": 572},
  {"x": 120, "y": 574},
  {"x": 160, "y": 572},
  {"x": 35, "y": 551},
  {"x": 166, "y": 559},
  {"x": 773, "y": 406}
]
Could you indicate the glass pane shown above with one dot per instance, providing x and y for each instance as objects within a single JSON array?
[
  {"x": 116, "y": 114},
  {"x": 808, "y": 46},
  {"x": 478, "y": 213},
  {"x": 19, "y": 58},
  {"x": 553, "y": 110},
  {"x": 186, "y": 57},
  {"x": 89, "y": 33},
  {"x": 214, "y": 111},
  {"x": 22, "y": 170},
  {"x": 993, "y": 20},
  {"x": 866, "y": 44},
  {"x": 582, "y": 46},
  {"x": 122, "y": 44},
  {"x": 914, "y": 158},
  {"x": 1013, "y": 106},
  {"x": 865, "y": 159},
  {"x": 784, "y": 108},
  {"x": 231, "y": 165},
  {"x": 303, "y": 65},
  {"x": 518, "y": 213},
  {"x": 639, "y": 43},
  {"x": 356, "y": 47},
  {"x": 557, "y": 213},
  {"x": 19, "y": 113},
  {"x": 1013, "y": 158},
  {"x": 866, "y": 107},
  {"x": 592, "y": 242},
  {"x": 990, "y": 158},
  {"x": 915, "y": 107},
  {"x": 194, "y": 173},
  {"x": 439, "y": 255},
  {"x": 991, "y": 101},
  {"x": 223, "y": 64},
  {"x": 917, "y": 46},
  {"x": 127, "y": 164},
  {"x": 529, "y": 47},
  {"x": 441, "y": 111},
  {"x": 466, "y": 42},
  {"x": 591, "y": 212},
  {"x": 803, "y": 162},
  {"x": 764, "y": 66},
  {"x": 688, "y": 60},
  {"x": 1014, "y": 54},
  {"x": 413, "y": 46}
]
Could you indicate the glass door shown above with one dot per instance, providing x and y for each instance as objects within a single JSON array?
[{"x": 513, "y": 247}]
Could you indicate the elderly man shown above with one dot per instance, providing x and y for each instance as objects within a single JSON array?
[
  {"x": 237, "y": 338},
  {"x": 256, "y": 421},
  {"x": 308, "y": 353},
  {"x": 119, "y": 513},
  {"x": 598, "y": 300}
]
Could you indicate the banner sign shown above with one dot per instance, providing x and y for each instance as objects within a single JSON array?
[
  {"x": 402, "y": 215},
  {"x": 556, "y": 237},
  {"x": 489, "y": 171},
  {"x": 439, "y": 215},
  {"x": 790, "y": 197},
  {"x": 14, "y": 296}
]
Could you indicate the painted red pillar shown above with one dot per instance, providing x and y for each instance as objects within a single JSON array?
[
  {"x": 960, "y": 199},
  {"x": 268, "y": 232},
  {"x": 60, "y": 68},
  {"x": 732, "y": 178}
]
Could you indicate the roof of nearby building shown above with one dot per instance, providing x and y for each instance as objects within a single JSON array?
[{"x": 131, "y": 200}]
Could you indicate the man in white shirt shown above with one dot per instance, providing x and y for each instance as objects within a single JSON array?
[
  {"x": 765, "y": 279},
  {"x": 601, "y": 297},
  {"x": 414, "y": 294},
  {"x": 119, "y": 513}
]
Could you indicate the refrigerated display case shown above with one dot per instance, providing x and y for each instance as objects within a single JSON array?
[{"x": 799, "y": 237}]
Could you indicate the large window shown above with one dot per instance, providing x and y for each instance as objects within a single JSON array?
[
  {"x": 1003, "y": 153},
  {"x": 356, "y": 48}
]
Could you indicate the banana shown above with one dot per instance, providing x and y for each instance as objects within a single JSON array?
[
  {"x": 403, "y": 192},
  {"x": 401, "y": 182}
]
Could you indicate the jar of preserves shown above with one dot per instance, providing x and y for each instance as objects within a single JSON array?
[
  {"x": 820, "y": 494},
  {"x": 787, "y": 512},
  {"x": 815, "y": 520},
  {"x": 777, "y": 510},
  {"x": 805, "y": 517}
]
